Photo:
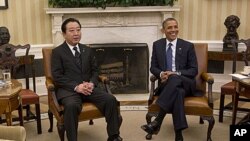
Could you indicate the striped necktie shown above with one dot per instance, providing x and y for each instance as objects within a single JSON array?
[{"x": 77, "y": 57}]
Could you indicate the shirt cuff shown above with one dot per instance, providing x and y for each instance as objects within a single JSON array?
[
  {"x": 178, "y": 73},
  {"x": 75, "y": 88},
  {"x": 160, "y": 74}
]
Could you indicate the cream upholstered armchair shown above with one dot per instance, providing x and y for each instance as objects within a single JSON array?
[{"x": 13, "y": 133}]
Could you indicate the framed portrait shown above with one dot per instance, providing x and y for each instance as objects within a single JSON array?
[{"x": 3, "y": 4}]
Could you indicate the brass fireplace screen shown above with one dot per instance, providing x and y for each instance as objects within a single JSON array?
[{"x": 125, "y": 64}]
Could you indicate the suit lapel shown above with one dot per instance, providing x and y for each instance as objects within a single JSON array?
[
  {"x": 68, "y": 51},
  {"x": 82, "y": 51},
  {"x": 163, "y": 53},
  {"x": 178, "y": 53}
]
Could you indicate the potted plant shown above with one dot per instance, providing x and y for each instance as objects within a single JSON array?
[{"x": 110, "y": 3}]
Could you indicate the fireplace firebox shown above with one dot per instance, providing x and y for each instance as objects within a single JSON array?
[{"x": 125, "y": 64}]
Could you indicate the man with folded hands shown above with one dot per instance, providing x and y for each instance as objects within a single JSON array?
[{"x": 174, "y": 63}]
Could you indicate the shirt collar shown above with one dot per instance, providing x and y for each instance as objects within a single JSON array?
[
  {"x": 173, "y": 42},
  {"x": 71, "y": 47}
]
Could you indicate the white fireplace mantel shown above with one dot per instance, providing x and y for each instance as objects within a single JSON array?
[{"x": 110, "y": 17}]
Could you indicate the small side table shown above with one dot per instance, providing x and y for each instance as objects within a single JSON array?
[
  {"x": 10, "y": 100},
  {"x": 242, "y": 89}
]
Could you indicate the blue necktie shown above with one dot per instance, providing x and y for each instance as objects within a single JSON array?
[
  {"x": 77, "y": 57},
  {"x": 169, "y": 58}
]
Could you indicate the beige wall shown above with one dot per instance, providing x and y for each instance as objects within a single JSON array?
[
  {"x": 198, "y": 19},
  {"x": 204, "y": 19},
  {"x": 27, "y": 21}
]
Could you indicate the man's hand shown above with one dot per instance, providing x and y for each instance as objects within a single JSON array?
[
  {"x": 164, "y": 75},
  {"x": 85, "y": 88}
]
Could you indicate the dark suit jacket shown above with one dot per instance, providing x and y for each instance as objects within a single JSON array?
[
  {"x": 185, "y": 59},
  {"x": 66, "y": 74}
]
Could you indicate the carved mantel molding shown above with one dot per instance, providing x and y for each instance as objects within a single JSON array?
[
  {"x": 110, "y": 17},
  {"x": 112, "y": 10}
]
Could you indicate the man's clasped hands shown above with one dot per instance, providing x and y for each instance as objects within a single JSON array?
[{"x": 85, "y": 88}]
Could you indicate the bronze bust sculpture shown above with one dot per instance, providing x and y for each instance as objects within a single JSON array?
[
  {"x": 232, "y": 22},
  {"x": 4, "y": 35},
  {"x": 7, "y": 51}
]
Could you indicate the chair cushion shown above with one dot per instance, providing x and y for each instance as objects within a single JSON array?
[
  {"x": 197, "y": 106},
  {"x": 29, "y": 97},
  {"x": 193, "y": 106},
  {"x": 88, "y": 110},
  {"x": 228, "y": 88}
]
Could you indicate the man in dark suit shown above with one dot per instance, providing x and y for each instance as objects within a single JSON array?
[
  {"x": 75, "y": 72},
  {"x": 174, "y": 63}
]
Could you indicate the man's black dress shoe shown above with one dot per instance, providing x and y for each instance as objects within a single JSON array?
[
  {"x": 115, "y": 138},
  {"x": 178, "y": 136},
  {"x": 151, "y": 128}
]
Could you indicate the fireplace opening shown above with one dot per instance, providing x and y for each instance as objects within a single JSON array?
[{"x": 125, "y": 64}]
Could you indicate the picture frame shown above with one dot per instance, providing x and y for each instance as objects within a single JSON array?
[{"x": 3, "y": 4}]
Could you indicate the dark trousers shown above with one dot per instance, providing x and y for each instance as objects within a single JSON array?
[
  {"x": 171, "y": 98},
  {"x": 105, "y": 102}
]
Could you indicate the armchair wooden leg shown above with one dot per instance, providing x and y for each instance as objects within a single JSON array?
[
  {"x": 61, "y": 131},
  {"x": 211, "y": 122},
  {"x": 235, "y": 106},
  {"x": 28, "y": 112},
  {"x": 20, "y": 114},
  {"x": 91, "y": 122},
  {"x": 149, "y": 116},
  {"x": 221, "y": 109},
  {"x": 50, "y": 121},
  {"x": 38, "y": 119},
  {"x": 201, "y": 120},
  {"x": 149, "y": 136}
]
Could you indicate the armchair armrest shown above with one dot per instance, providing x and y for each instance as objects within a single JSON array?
[
  {"x": 153, "y": 78},
  {"x": 210, "y": 80},
  {"x": 49, "y": 84},
  {"x": 151, "y": 92},
  {"x": 52, "y": 95},
  {"x": 207, "y": 77}
]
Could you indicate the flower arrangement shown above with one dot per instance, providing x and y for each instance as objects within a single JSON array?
[{"x": 108, "y": 3}]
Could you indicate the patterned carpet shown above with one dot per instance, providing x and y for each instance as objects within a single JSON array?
[
  {"x": 220, "y": 131},
  {"x": 134, "y": 105}
]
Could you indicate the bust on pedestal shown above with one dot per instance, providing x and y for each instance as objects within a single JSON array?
[
  {"x": 8, "y": 59},
  {"x": 232, "y": 22}
]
